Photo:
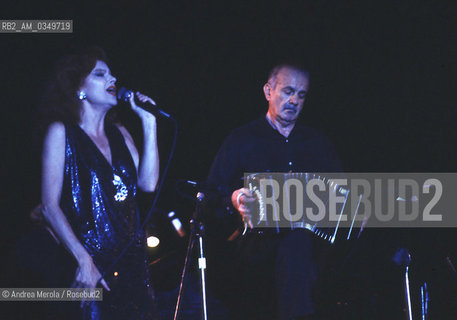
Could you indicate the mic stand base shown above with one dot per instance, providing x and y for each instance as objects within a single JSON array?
[{"x": 196, "y": 233}]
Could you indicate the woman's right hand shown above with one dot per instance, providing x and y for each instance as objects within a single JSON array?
[{"x": 88, "y": 276}]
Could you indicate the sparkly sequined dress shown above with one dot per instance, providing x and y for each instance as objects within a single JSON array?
[{"x": 98, "y": 200}]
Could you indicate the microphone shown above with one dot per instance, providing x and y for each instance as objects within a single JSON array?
[
  {"x": 125, "y": 94},
  {"x": 205, "y": 190},
  {"x": 202, "y": 186}
]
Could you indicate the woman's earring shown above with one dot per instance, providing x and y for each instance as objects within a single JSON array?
[{"x": 82, "y": 95}]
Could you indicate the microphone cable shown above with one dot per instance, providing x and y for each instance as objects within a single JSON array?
[{"x": 148, "y": 216}]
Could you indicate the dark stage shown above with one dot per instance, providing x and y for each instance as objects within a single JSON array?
[{"x": 382, "y": 79}]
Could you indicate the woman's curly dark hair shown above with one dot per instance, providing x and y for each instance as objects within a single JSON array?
[{"x": 60, "y": 99}]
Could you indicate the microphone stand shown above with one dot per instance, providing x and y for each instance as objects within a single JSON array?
[{"x": 197, "y": 230}]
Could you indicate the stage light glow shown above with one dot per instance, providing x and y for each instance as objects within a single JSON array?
[
  {"x": 177, "y": 224},
  {"x": 153, "y": 241}
]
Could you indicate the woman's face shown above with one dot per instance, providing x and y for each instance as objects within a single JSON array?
[{"x": 99, "y": 86}]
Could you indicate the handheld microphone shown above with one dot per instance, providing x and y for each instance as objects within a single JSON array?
[{"x": 125, "y": 94}]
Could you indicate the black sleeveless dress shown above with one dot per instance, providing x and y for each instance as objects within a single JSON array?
[{"x": 98, "y": 200}]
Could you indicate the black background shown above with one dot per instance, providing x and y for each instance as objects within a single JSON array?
[{"x": 383, "y": 79}]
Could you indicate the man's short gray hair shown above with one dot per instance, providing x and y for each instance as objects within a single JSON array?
[{"x": 289, "y": 65}]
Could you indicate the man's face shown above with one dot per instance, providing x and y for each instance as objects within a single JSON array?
[{"x": 286, "y": 95}]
